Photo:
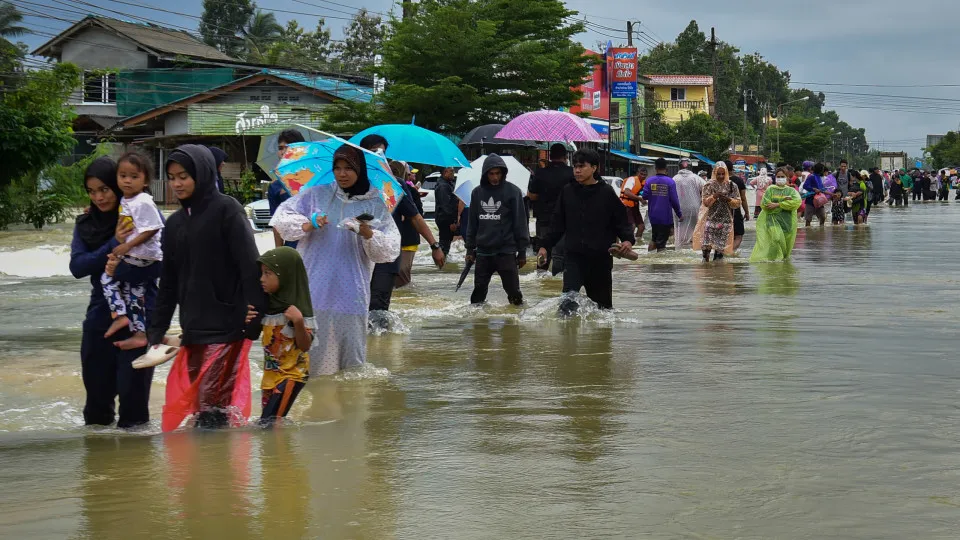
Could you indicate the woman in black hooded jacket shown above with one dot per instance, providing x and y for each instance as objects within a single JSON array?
[{"x": 210, "y": 270}]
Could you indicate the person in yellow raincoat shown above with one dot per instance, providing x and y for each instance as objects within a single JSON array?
[{"x": 777, "y": 224}]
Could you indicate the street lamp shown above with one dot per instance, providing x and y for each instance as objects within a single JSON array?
[{"x": 780, "y": 113}]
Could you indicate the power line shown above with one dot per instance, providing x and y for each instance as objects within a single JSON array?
[{"x": 877, "y": 85}]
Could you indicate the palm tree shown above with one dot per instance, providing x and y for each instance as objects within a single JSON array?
[
  {"x": 261, "y": 31},
  {"x": 10, "y": 18}
]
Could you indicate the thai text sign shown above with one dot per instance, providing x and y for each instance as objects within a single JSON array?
[
  {"x": 622, "y": 70},
  {"x": 244, "y": 119}
]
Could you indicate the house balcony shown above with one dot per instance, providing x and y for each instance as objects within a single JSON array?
[{"x": 682, "y": 104}]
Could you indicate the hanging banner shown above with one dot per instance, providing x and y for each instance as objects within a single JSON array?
[{"x": 622, "y": 70}]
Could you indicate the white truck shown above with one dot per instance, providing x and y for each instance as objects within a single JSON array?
[{"x": 890, "y": 161}]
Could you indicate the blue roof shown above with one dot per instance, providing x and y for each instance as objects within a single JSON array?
[
  {"x": 341, "y": 89},
  {"x": 705, "y": 159},
  {"x": 632, "y": 157}
]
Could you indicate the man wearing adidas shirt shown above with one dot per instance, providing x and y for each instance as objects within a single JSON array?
[{"x": 497, "y": 232}]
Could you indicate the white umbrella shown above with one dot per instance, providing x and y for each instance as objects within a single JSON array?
[{"x": 468, "y": 179}]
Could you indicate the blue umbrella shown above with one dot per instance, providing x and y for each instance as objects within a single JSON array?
[
  {"x": 407, "y": 142},
  {"x": 311, "y": 164}
]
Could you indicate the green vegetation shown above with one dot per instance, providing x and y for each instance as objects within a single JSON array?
[
  {"x": 456, "y": 64},
  {"x": 763, "y": 86}
]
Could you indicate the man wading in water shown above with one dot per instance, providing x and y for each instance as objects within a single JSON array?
[
  {"x": 497, "y": 232},
  {"x": 592, "y": 217},
  {"x": 544, "y": 191}
]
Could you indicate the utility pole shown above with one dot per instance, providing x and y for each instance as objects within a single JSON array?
[
  {"x": 633, "y": 108},
  {"x": 713, "y": 60},
  {"x": 746, "y": 143}
]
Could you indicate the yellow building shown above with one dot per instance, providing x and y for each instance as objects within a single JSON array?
[{"x": 680, "y": 96}]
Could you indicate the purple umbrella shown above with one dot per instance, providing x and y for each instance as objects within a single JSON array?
[{"x": 549, "y": 126}]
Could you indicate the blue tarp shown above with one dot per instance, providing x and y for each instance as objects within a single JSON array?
[
  {"x": 338, "y": 88},
  {"x": 705, "y": 159},
  {"x": 632, "y": 157}
]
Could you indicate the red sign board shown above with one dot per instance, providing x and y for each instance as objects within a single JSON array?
[
  {"x": 622, "y": 71},
  {"x": 622, "y": 62}
]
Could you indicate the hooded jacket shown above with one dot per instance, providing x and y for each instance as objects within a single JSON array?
[
  {"x": 592, "y": 218},
  {"x": 497, "y": 224},
  {"x": 210, "y": 264}
]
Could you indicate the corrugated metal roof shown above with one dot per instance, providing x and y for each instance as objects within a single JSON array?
[
  {"x": 165, "y": 40},
  {"x": 156, "y": 38},
  {"x": 341, "y": 89},
  {"x": 680, "y": 80}
]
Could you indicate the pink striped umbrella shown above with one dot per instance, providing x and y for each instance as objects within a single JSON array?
[{"x": 549, "y": 126}]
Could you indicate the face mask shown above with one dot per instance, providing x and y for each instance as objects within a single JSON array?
[{"x": 781, "y": 181}]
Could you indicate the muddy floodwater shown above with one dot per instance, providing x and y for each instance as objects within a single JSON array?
[{"x": 811, "y": 399}]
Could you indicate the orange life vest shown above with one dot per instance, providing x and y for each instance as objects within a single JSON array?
[{"x": 636, "y": 189}]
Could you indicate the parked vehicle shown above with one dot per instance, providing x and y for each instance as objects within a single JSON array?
[
  {"x": 614, "y": 181},
  {"x": 427, "y": 198},
  {"x": 259, "y": 213}
]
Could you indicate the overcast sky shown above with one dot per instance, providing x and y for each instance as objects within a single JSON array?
[{"x": 844, "y": 42}]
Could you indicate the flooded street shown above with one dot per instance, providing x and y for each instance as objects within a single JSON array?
[{"x": 810, "y": 399}]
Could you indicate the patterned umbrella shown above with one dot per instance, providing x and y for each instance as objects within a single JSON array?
[
  {"x": 310, "y": 164},
  {"x": 550, "y": 126}
]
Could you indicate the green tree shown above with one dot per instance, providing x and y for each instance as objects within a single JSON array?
[
  {"x": 362, "y": 41},
  {"x": 300, "y": 49},
  {"x": 704, "y": 133},
  {"x": 946, "y": 153},
  {"x": 222, "y": 23},
  {"x": 10, "y": 19},
  {"x": 11, "y": 53},
  {"x": 692, "y": 54},
  {"x": 768, "y": 87},
  {"x": 801, "y": 139},
  {"x": 260, "y": 32},
  {"x": 35, "y": 127},
  {"x": 456, "y": 64}
]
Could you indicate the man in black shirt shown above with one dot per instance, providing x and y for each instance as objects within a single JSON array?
[
  {"x": 738, "y": 215},
  {"x": 544, "y": 191},
  {"x": 446, "y": 209},
  {"x": 592, "y": 218}
]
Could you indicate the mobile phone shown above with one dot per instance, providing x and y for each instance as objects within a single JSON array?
[{"x": 365, "y": 217}]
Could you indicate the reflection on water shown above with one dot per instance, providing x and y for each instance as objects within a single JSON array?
[{"x": 719, "y": 400}]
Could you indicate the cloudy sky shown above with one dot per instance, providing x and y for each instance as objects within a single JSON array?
[{"x": 883, "y": 64}]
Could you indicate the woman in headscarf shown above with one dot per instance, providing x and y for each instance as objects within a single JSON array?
[
  {"x": 210, "y": 270},
  {"x": 777, "y": 223},
  {"x": 106, "y": 368},
  {"x": 857, "y": 195},
  {"x": 339, "y": 252},
  {"x": 761, "y": 182},
  {"x": 715, "y": 223},
  {"x": 219, "y": 157}
]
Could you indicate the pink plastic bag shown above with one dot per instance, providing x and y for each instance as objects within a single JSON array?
[{"x": 209, "y": 378}]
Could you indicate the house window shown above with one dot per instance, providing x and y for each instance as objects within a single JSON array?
[
  {"x": 678, "y": 94},
  {"x": 99, "y": 87},
  {"x": 254, "y": 98},
  {"x": 288, "y": 98}
]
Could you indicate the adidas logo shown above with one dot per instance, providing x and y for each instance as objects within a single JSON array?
[{"x": 491, "y": 208}]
